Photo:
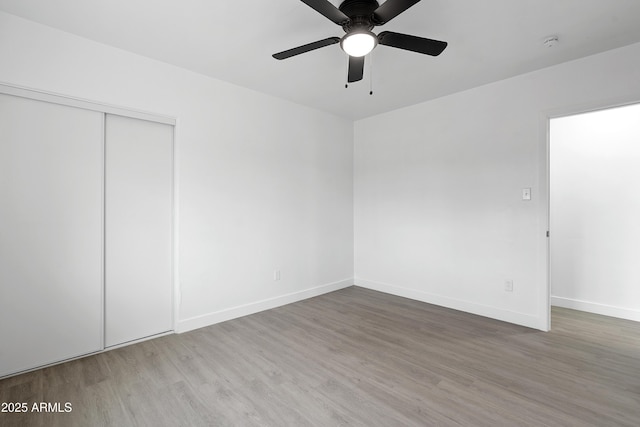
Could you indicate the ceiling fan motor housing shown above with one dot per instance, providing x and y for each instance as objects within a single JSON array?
[{"x": 360, "y": 13}]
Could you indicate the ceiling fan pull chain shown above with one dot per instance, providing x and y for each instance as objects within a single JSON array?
[
  {"x": 346, "y": 85},
  {"x": 371, "y": 73}
]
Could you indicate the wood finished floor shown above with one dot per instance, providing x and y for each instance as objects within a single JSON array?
[{"x": 353, "y": 357}]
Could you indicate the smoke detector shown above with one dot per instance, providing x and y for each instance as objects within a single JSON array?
[{"x": 551, "y": 41}]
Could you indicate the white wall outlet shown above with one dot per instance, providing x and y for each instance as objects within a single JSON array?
[
  {"x": 276, "y": 274},
  {"x": 508, "y": 285}
]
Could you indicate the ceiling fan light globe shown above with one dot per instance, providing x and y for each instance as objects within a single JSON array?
[{"x": 359, "y": 43}]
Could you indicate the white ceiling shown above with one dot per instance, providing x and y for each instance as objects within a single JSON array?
[{"x": 233, "y": 40}]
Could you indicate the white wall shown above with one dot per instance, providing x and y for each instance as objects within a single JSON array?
[
  {"x": 438, "y": 209},
  {"x": 263, "y": 184},
  {"x": 595, "y": 211}
]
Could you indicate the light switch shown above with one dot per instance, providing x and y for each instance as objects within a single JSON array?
[{"x": 526, "y": 194}]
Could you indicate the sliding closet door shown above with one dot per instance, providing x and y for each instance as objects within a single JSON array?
[
  {"x": 138, "y": 289},
  {"x": 51, "y": 236}
]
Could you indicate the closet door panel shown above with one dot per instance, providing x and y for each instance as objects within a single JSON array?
[
  {"x": 51, "y": 235},
  {"x": 138, "y": 287}
]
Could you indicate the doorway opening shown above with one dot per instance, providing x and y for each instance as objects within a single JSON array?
[{"x": 594, "y": 212}]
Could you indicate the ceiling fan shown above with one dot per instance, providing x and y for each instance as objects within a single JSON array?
[{"x": 358, "y": 18}]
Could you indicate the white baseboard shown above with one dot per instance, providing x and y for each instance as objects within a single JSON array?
[
  {"x": 255, "y": 307},
  {"x": 597, "y": 308},
  {"x": 456, "y": 304}
]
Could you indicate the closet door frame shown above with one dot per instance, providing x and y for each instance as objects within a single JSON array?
[
  {"x": 85, "y": 104},
  {"x": 53, "y": 98}
]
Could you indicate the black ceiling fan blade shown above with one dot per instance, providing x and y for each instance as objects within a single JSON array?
[
  {"x": 390, "y": 9},
  {"x": 306, "y": 48},
  {"x": 356, "y": 69},
  {"x": 327, "y": 9},
  {"x": 412, "y": 43}
]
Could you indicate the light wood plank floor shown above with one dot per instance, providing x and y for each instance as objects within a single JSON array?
[{"x": 353, "y": 357}]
